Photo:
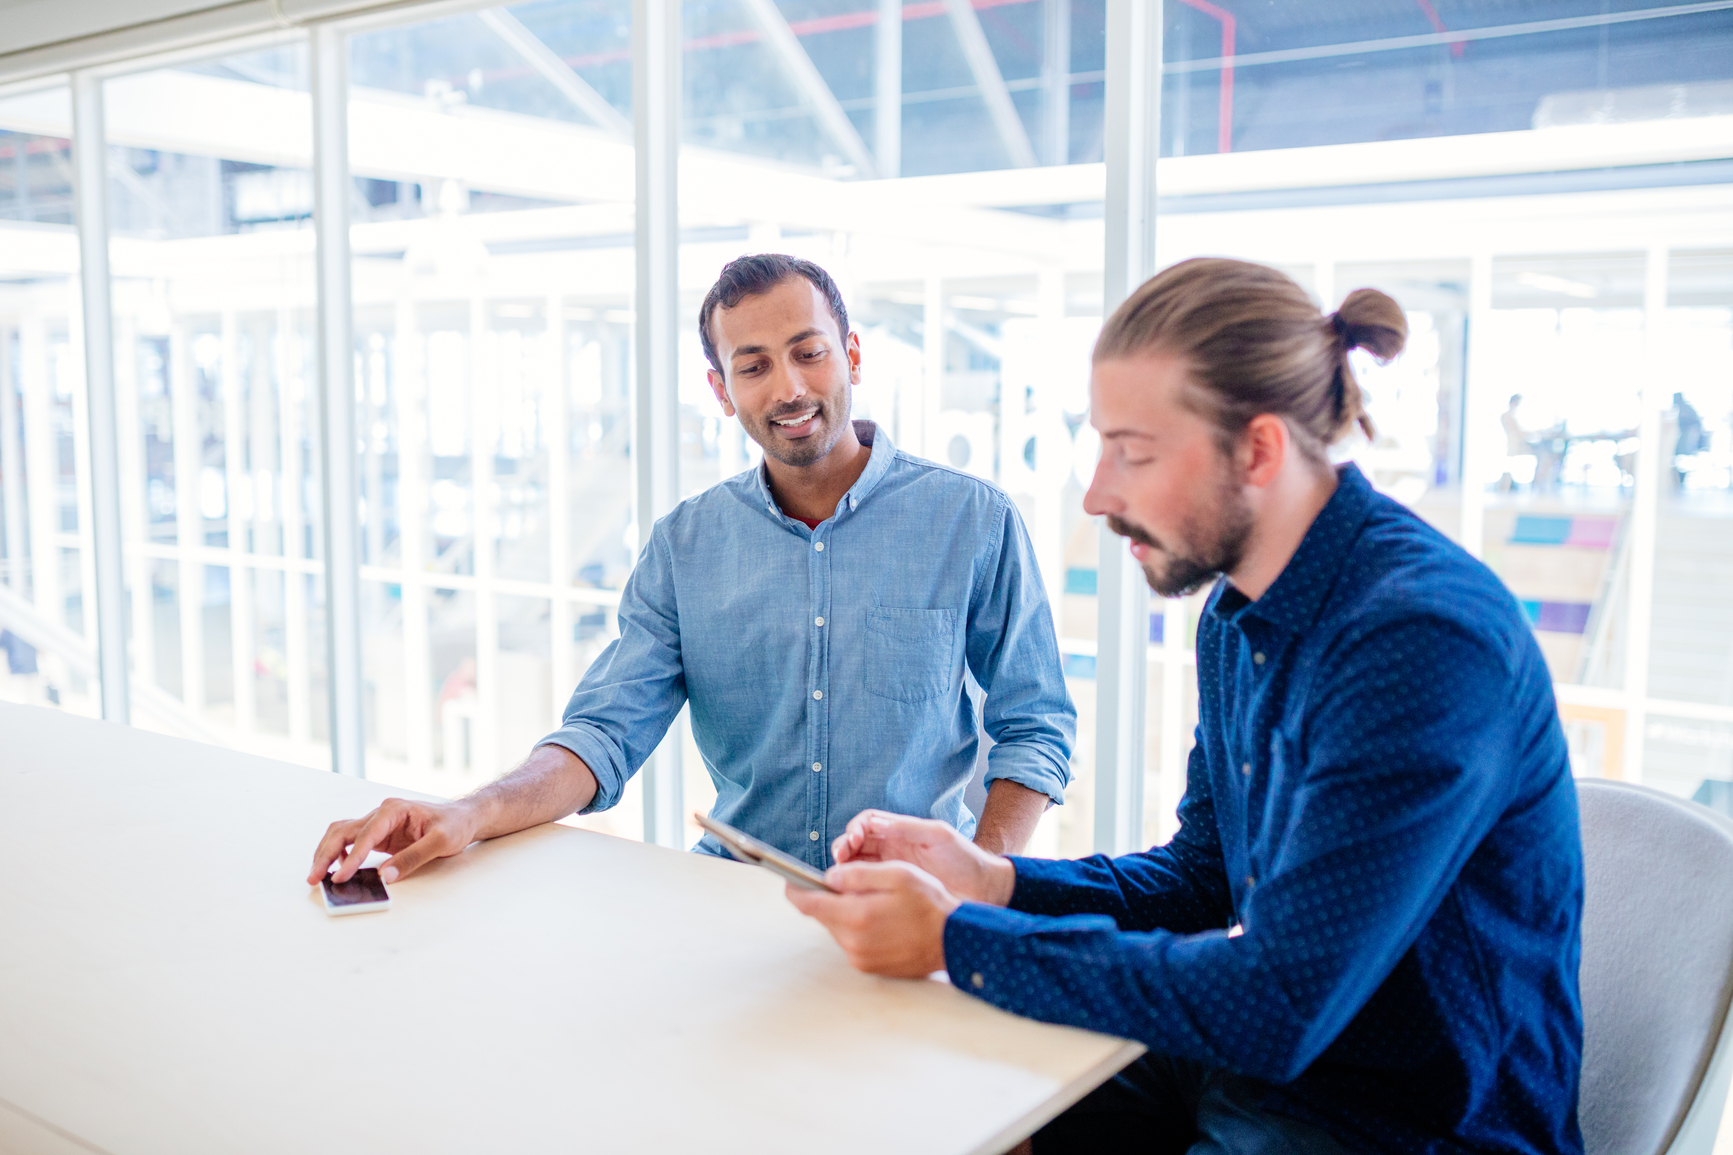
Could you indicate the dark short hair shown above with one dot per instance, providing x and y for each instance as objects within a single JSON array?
[{"x": 758, "y": 274}]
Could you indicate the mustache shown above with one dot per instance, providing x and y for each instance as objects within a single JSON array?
[
  {"x": 1136, "y": 533},
  {"x": 791, "y": 410}
]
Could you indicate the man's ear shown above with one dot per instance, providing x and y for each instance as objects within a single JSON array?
[
  {"x": 1264, "y": 447},
  {"x": 720, "y": 387},
  {"x": 852, "y": 348}
]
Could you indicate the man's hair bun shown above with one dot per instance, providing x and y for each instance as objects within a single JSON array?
[{"x": 1372, "y": 321}]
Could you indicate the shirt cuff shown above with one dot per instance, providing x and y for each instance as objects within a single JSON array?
[
  {"x": 1045, "y": 886},
  {"x": 995, "y": 954},
  {"x": 598, "y": 755},
  {"x": 1033, "y": 768},
  {"x": 979, "y": 945}
]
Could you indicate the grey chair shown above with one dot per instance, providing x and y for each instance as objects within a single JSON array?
[{"x": 1657, "y": 971}]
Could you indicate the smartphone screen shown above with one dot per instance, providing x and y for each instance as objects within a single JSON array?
[{"x": 365, "y": 889}]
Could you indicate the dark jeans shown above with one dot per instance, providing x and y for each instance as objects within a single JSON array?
[{"x": 1163, "y": 1106}]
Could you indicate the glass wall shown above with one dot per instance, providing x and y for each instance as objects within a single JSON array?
[{"x": 1551, "y": 208}]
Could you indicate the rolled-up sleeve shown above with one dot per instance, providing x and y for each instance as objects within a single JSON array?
[
  {"x": 633, "y": 691},
  {"x": 1014, "y": 654}
]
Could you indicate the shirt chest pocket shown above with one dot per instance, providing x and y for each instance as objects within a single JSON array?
[{"x": 910, "y": 654}]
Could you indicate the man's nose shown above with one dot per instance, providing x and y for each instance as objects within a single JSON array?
[
  {"x": 786, "y": 385},
  {"x": 1100, "y": 497}
]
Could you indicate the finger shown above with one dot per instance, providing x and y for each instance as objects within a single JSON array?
[
  {"x": 880, "y": 835},
  {"x": 434, "y": 844},
  {"x": 858, "y": 823},
  {"x": 382, "y": 823},
  {"x": 331, "y": 847},
  {"x": 848, "y": 846},
  {"x": 812, "y": 903},
  {"x": 868, "y": 877}
]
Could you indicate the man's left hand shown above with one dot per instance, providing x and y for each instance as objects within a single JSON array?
[{"x": 889, "y": 918}]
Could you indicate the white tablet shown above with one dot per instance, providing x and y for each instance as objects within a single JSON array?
[{"x": 749, "y": 849}]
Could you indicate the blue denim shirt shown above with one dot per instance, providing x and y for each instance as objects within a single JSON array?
[
  {"x": 1380, "y": 797},
  {"x": 825, "y": 667}
]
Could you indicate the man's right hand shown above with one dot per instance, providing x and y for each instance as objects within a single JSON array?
[
  {"x": 965, "y": 869},
  {"x": 413, "y": 833}
]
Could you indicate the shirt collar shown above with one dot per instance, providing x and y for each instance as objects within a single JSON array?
[
  {"x": 1293, "y": 600},
  {"x": 871, "y": 435}
]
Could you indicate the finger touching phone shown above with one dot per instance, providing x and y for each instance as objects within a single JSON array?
[{"x": 362, "y": 893}]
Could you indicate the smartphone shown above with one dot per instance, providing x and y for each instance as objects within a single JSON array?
[
  {"x": 365, "y": 892},
  {"x": 749, "y": 849}
]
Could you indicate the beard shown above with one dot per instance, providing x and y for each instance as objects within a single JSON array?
[
  {"x": 833, "y": 415},
  {"x": 1211, "y": 541}
]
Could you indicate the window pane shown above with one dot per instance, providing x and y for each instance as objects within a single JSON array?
[
  {"x": 1691, "y": 633},
  {"x": 210, "y": 219},
  {"x": 47, "y": 632},
  {"x": 493, "y": 281}
]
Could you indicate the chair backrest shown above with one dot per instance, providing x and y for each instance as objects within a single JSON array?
[{"x": 1657, "y": 965}]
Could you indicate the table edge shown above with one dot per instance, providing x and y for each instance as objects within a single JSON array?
[{"x": 1073, "y": 1091}]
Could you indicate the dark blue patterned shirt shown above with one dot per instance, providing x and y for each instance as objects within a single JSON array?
[{"x": 1380, "y": 798}]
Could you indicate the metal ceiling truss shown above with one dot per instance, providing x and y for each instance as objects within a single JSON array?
[
  {"x": 990, "y": 81},
  {"x": 556, "y": 71},
  {"x": 812, "y": 86}
]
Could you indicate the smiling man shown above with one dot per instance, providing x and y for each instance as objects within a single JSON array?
[
  {"x": 1364, "y": 936},
  {"x": 818, "y": 614}
]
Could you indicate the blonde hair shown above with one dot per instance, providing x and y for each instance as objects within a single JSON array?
[{"x": 1255, "y": 343}]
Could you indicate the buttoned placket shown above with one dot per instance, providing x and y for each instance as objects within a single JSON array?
[
  {"x": 819, "y": 699},
  {"x": 818, "y": 625},
  {"x": 1264, "y": 644}
]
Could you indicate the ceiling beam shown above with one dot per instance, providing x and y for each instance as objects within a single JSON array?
[
  {"x": 813, "y": 89},
  {"x": 556, "y": 71},
  {"x": 991, "y": 82}
]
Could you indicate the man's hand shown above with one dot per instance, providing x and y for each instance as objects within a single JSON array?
[
  {"x": 889, "y": 918},
  {"x": 413, "y": 833},
  {"x": 961, "y": 867},
  {"x": 551, "y": 783}
]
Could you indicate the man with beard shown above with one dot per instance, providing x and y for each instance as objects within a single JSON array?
[
  {"x": 1365, "y": 934},
  {"x": 818, "y": 615}
]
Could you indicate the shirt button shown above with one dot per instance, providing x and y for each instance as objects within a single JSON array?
[
  {"x": 1250, "y": 882},
  {"x": 1245, "y": 767},
  {"x": 1258, "y": 658},
  {"x": 976, "y": 981},
  {"x": 817, "y": 766},
  {"x": 817, "y": 694},
  {"x": 818, "y": 621},
  {"x": 819, "y": 546},
  {"x": 813, "y": 836}
]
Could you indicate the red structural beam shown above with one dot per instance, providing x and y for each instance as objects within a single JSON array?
[
  {"x": 1225, "y": 105},
  {"x": 36, "y": 146},
  {"x": 842, "y": 22},
  {"x": 1457, "y": 46}
]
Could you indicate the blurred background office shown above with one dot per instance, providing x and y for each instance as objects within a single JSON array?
[{"x": 1546, "y": 186}]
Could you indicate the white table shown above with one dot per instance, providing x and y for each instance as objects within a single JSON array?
[{"x": 169, "y": 983}]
